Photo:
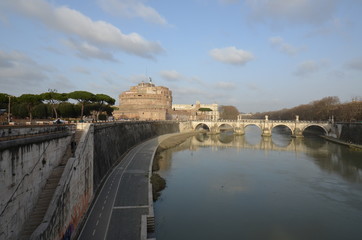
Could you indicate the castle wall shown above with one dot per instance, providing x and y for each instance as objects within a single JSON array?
[{"x": 145, "y": 102}]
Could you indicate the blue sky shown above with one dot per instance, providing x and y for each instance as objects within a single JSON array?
[{"x": 257, "y": 55}]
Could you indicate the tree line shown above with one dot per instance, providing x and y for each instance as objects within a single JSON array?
[
  {"x": 52, "y": 104},
  {"x": 228, "y": 112},
  {"x": 319, "y": 110}
]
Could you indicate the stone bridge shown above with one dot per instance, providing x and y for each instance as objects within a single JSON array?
[{"x": 297, "y": 127}]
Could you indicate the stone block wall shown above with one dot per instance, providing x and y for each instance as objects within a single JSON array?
[
  {"x": 24, "y": 169},
  {"x": 350, "y": 132},
  {"x": 113, "y": 140},
  {"x": 73, "y": 194},
  {"x": 16, "y": 131}
]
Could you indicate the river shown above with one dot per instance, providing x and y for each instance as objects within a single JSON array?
[{"x": 250, "y": 187}]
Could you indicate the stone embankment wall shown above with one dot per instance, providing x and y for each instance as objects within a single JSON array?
[
  {"x": 25, "y": 165},
  {"x": 99, "y": 148},
  {"x": 113, "y": 140},
  {"x": 185, "y": 126},
  {"x": 350, "y": 132},
  {"x": 73, "y": 194},
  {"x": 22, "y": 131}
]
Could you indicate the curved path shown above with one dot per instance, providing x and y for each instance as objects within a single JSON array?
[{"x": 124, "y": 198}]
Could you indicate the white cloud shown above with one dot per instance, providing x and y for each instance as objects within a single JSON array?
[
  {"x": 132, "y": 8},
  {"x": 231, "y": 55},
  {"x": 310, "y": 67},
  {"x": 188, "y": 95},
  {"x": 292, "y": 11},
  {"x": 355, "y": 64},
  {"x": 17, "y": 68},
  {"x": 82, "y": 70},
  {"x": 86, "y": 50},
  {"x": 171, "y": 75},
  {"x": 225, "y": 85},
  {"x": 71, "y": 22},
  {"x": 196, "y": 80},
  {"x": 282, "y": 46},
  {"x": 334, "y": 26},
  {"x": 61, "y": 84},
  {"x": 253, "y": 87}
]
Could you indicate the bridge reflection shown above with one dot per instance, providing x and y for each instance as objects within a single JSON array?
[
  {"x": 261, "y": 143},
  {"x": 328, "y": 156}
]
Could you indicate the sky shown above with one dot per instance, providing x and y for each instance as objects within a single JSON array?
[{"x": 258, "y": 55}]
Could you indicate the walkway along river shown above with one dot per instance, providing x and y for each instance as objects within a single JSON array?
[{"x": 249, "y": 187}]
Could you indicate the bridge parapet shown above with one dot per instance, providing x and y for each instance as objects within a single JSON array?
[{"x": 297, "y": 127}]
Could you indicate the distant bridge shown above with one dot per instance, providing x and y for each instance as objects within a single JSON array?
[{"x": 297, "y": 127}]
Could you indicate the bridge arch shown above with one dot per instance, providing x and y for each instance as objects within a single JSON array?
[
  {"x": 315, "y": 126},
  {"x": 253, "y": 124},
  {"x": 282, "y": 125},
  {"x": 202, "y": 137},
  {"x": 202, "y": 126}
]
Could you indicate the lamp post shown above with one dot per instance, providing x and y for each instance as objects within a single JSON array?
[{"x": 9, "y": 109}]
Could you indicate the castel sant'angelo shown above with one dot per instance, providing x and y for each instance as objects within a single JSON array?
[{"x": 146, "y": 101}]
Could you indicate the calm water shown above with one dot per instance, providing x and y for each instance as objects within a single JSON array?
[{"x": 249, "y": 187}]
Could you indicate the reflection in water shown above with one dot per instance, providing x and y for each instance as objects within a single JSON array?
[
  {"x": 281, "y": 136},
  {"x": 276, "y": 142},
  {"x": 249, "y": 187},
  {"x": 226, "y": 137},
  {"x": 202, "y": 137},
  {"x": 328, "y": 156},
  {"x": 253, "y": 134}
]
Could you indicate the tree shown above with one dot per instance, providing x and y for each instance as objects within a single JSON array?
[
  {"x": 41, "y": 111},
  {"x": 317, "y": 110},
  {"x": 53, "y": 99},
  {"x": 4, "y": 107},
  {"x": 102, "y": 99},
  {"x": 30, "y": 101},
  {"x": 67, "y": 110},
  {"x": 229, "y": 112},
  {"x": 4, "y": 100},
  {"x": 82, "y": 97},
  {"x": 322, "y": 109},
  {"x": 19, "y": 110}
]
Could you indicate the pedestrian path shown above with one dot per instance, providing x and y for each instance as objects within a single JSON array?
[{"x": 123, "y": 206}]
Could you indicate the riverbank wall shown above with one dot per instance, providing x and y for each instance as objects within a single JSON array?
[
  {"x": 27, "y": 158},
  {"x": 100, "y": 147},
  {"x": 350, "y": 132},
  {"x": 122, "y": 137}
]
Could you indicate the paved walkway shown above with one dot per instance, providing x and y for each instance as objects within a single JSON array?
[{"x": 124, "y": 198}]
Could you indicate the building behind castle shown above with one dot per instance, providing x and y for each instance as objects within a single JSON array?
[
  {"x": 146, "y": 101},
  {"x": 196, "y": 111}
]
